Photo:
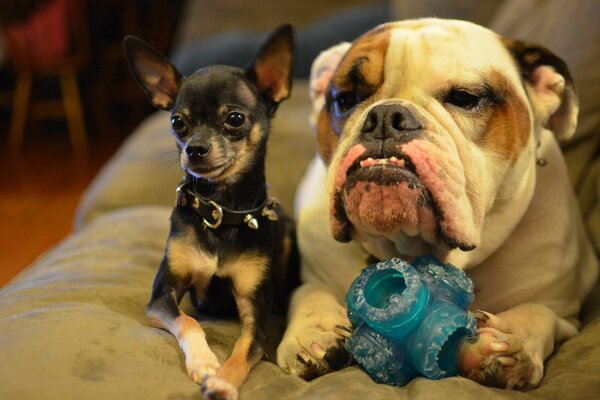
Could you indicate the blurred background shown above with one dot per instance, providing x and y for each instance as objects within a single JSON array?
[{"x": 67, "y": 98}]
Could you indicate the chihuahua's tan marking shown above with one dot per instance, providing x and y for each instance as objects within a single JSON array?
[
  {"x": 237, "y": 366},
  {"x": 246, "y": 154},
  {"x": 235, "y": 370},
  {"x": 192, "y": 340},
  {"x": 200, "y": 361},
  {"x": 246, "y": 272},
  {"x": 186, "y": 259}
]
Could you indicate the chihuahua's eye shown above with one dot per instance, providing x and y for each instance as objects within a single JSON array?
[
  {"x": 462, "y": 99},
  {"x": 177, "y": 123},
  {"x": 235, "y": 120}
]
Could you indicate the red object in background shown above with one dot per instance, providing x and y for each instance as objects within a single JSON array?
[{"x": 41, "y": 40}]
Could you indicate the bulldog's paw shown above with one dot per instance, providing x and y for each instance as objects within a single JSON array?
[
  {"x": 215, "y": 388},
  {"x": 201, "y": 365},
  {"x": 496, "y": 357},
  {"x": 315, "y": 346}
]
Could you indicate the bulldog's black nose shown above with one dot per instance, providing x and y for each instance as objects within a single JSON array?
[
  {"x": 196, "y": 152},
  {"x": 388, "y": 120}
]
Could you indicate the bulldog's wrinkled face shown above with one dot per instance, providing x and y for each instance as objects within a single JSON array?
[{"x": 429, "y": 126}]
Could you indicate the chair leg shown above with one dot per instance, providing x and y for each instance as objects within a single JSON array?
[
  {"x": 20, "y": 107},
  {"x": 74, "y": 112}
]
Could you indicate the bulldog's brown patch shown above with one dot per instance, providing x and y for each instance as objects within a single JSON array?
[
  {"x": 360, "y": 72},
  {"x": 509, "y": 125},
  {"x": 363, "y": 65},
  {"x": 327, "y": 139}
]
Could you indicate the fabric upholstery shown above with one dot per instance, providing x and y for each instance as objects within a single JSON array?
[{"x": 72, "y": 326}]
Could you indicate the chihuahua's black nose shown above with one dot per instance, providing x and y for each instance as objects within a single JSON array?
[{"x": 197, "y": 152}]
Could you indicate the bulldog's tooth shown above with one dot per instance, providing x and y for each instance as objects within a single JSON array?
[
  {"x": 399, "y": 162},
  {"x": 366, "y": 162}
]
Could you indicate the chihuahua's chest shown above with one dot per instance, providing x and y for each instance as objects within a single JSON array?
[{"x": 234, "y": 256}]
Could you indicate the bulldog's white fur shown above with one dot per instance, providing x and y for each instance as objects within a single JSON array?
[{"x": 504, "y": 194}]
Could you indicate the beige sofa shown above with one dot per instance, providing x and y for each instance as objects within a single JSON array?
[{"x": 72, "y": 326}]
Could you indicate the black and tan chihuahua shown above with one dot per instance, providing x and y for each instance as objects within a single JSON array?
[{"x": 229, "y": 245}]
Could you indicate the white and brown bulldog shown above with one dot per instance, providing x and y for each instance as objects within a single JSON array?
[{"x": 440, "y": 137}]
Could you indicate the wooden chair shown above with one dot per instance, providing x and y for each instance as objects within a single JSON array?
[
  {"x": 46, "y": 39},
  {"x": 122, "y": 107}
]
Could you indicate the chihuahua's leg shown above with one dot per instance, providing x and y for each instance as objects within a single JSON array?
[
  {"x": 253, "y": 297},
  {"x": 172, "y": 281},
  {"x": 511, "y": 346},
  {"x": 313, "y": 343}
]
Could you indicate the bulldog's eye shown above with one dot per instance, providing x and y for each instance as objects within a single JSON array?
[
  {"x": 463, "y": 99},
  {"x": 235, "y": 120},
  {"x": 345, "y": 101},
  {"x": 177, "y": 123}
]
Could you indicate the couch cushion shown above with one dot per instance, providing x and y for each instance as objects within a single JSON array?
[{"x": 73, "y": 326}]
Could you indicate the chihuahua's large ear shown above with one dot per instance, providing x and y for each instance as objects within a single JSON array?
[
  {"x": 153, "y": 72},
  {"x": 549, "y": 85},
  {"x": 272, "y": 68},
  {"x": 320, "y": 75}
]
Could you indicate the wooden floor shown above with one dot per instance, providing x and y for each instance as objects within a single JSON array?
[{"x": 39, "y": 191}]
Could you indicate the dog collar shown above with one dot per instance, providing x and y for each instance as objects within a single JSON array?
[{"x": 214, "y": 215}]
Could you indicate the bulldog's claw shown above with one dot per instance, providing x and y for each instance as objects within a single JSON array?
[
  {"x": 343, "y": 331},
  {"x": 497, "y": 358},
  {"x": 304, "y": 357},
  {"x": 318, "y": 350},
  {"x": 315, "y": 348}
]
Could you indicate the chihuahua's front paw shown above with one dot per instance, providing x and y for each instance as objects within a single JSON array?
[
  {"x": 315, "y": 345},
  {"x": 201, "y": 365},
  {"x": 215, "y": 388},
  {"x": 496, "y": 357}
]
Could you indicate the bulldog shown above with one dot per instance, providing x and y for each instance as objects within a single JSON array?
[{"x": 441, "y": 137}]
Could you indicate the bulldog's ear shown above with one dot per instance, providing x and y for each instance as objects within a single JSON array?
[
  {"x": 272, "y": 69},
  {"x": 153, "y": 72},
  {"x": 320, "y": 75},
  {"x": 549, "y": 85}
]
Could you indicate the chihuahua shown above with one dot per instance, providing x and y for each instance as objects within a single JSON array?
[{"x": 229, "y": 244}]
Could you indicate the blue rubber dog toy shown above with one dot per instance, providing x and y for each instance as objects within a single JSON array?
[{"x": 409, "y": 320}]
